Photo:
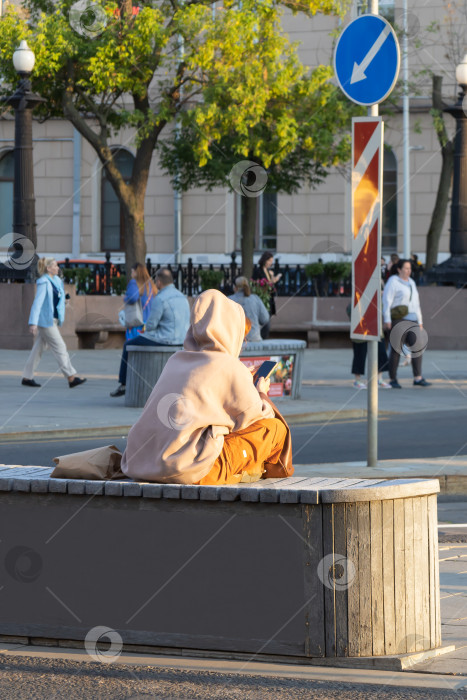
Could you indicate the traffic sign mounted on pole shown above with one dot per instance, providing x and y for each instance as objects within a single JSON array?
[
  {"x": 367, "y": 182},
  {"x": 367, "y": 60}
]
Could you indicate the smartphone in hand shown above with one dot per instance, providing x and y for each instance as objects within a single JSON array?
[{"x": 265, "y": 370}]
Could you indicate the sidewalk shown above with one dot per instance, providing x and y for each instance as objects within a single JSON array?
[{"x": 327, "y": 391}]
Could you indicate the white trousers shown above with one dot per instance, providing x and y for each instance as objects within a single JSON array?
[{"x": 49, "y": 337}]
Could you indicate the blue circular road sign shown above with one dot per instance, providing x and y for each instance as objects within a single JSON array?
[{"x": 367, "y": 60}]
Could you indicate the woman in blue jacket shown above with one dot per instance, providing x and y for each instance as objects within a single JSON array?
[
  {"x": 140, "y": 288},
  {"x": 47, "y": 314}
]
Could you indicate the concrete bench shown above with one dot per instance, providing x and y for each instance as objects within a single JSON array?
[
  {"x": 145, "y": 364},
  {"x": 100, "y": 336},
  {"x": 321, "y": 570}
]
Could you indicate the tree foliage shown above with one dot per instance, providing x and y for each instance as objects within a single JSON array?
[{"x": 231, "y": 73}]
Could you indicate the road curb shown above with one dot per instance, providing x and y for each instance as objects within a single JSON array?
[{"x": 112, "y": 430}]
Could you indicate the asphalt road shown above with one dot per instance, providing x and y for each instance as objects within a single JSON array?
[
  {"x": 431, "y": 434},
  {"x": 38, "y": 679}
]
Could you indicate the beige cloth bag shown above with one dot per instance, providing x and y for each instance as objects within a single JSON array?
[{"x": 101, "y": 463}]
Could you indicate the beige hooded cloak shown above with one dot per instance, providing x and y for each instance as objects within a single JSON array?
[{"x": 203, "y": 393}]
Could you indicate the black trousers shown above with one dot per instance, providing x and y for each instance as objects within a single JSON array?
[
  {"x": 395, "y": 353},
  {"x": 359, "y": 357}
]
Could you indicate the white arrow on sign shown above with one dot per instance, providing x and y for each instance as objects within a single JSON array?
[{"x": 358, "y": 72}]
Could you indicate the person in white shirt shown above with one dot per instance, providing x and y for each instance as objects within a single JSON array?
[{"x": 401, "y": 290}]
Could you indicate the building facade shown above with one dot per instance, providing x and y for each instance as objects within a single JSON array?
[{"x": 78, "y": 214}]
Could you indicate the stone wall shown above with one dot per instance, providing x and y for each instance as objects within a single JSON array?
[{"x": 318, "y": 320}]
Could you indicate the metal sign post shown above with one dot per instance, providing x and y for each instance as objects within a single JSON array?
[
  {"x": 366, "y": 63},
  {"x": 365, "y": 321}
]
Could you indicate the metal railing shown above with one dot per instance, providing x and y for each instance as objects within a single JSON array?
[{"x": 108, "y": 278}]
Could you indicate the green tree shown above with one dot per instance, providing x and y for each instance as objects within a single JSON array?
[
  {"x": 303, "y": 132},
  {"x": 110, "y": 70}
]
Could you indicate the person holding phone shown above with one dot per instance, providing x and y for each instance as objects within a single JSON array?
[
  {"x": 263, "y": 271},
  {"x": 205, "y": 421}
]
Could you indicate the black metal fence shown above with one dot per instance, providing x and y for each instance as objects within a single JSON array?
[{"x": 108, "y": 278}]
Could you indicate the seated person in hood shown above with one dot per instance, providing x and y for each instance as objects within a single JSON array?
[{"x": 205, "y": 422}]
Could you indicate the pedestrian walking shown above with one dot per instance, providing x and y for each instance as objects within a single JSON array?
[
  {"x": 47, "y": 314},
  {"x": 253, "y": 307},
  {"x": 141, "y": 289},
  {"x": 360, "y": 348},
  {"x": 263, "y": 271},
  {"x": 401, "y": 302}
]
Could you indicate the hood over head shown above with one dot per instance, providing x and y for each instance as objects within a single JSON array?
[{"x": 216, "y": 323}]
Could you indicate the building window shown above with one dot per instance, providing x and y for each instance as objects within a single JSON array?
[
  {"x": 385, "y": 9},
  {"x": 266, "y": 221},
  {"x": 389, "y": 221},
  {"x": 112, "y": 222},
  {"x": 7, "y": 174}
]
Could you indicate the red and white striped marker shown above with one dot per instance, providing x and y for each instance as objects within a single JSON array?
[{"x": 367, "y": 183}]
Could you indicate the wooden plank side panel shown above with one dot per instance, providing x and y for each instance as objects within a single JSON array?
[
  {"x": 315, "y": 643},
  {"x": 348, "y": 573},
  {"x": 328, "y": 575},
  {"x": 431, "y": 566},
  {"x": 409, "y": 576},
  {"x": 425, "y": 575},
  {"x": 399, "y": 576},
  {"x": 377, "y": 608},
  {"x": 388, "y": 577},
  {"x": 417, "y": 558},
  {"x": 434, "y": 526},
  {"x": 364, "y": 574},
  {"x": 353, "y": 598}
]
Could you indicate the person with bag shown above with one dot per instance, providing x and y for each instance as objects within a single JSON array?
[
  {"x": 167, "y": 323},
  {"x": 263, "y": 271},
  {"x": 140, "y": 292},
  {"x": 253, "y": 307},
  {"x": 205, "y": 421},
  {"x": 47, "y": 314},
  {"x": 401, "y": 302}
]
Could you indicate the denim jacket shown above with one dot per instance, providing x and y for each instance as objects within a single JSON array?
[
  {"x": 169, "y": 318},
  {"x": 42, "y": 310}
]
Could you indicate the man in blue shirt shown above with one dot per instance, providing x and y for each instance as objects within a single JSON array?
[{"x": 167, "y": 323}]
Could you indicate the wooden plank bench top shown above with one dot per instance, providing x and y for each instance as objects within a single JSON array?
[{"x": 305, "y": 490}]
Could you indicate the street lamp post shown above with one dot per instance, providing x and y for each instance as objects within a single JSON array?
[
  {"x": 454, "y": 270},
  {"x": 23, "y": 102}
]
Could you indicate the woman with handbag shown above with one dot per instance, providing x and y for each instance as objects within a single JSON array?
[
  {"x": 263, "y": 271},
  {"x": 138, "y": 297},
  {"x": 401, "y": 302},
  {"x": 47, "y": 314}
]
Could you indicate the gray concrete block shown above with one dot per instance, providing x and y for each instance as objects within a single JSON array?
[
  {"x": 76, "y": 487},
  {"x": 171, "y": 490},
  {"x": 132, "y": 489},
  {"x": 113, "y": 488},
  {"x": 58, "y": 485},
  {"x": 95, "y": 488},
  {"x": 152, "y": 490}
]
